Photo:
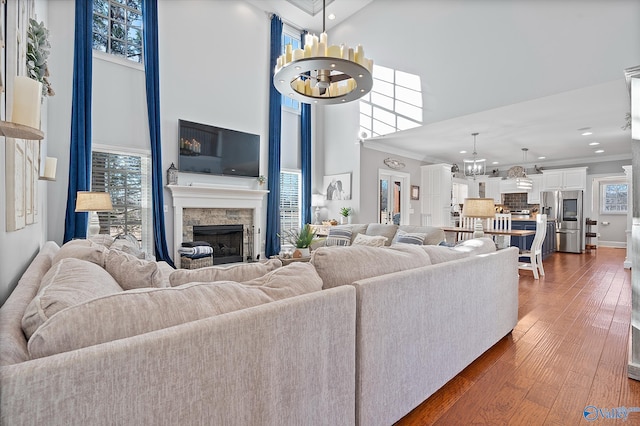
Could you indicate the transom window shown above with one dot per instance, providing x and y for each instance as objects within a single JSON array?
[
  {"x": 127, "y": 178},
  {"x": 289, "y": 37},
  {"x": 117, "y": 28}
]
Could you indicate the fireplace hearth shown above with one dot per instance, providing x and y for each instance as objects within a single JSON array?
[{"x": 227, "y": 241}]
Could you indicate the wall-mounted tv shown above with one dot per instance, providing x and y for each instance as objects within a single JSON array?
[{"x": 217, "y": 151}]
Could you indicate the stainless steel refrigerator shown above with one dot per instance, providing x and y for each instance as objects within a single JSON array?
[{"x": 565, "y": 208}]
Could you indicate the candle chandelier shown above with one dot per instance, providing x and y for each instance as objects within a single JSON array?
[
  {"x": 321, "y": 73},
  {"x": 475, "y": 166}
]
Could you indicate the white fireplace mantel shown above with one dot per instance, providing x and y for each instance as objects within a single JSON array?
[{"x": 204, "y": 196}]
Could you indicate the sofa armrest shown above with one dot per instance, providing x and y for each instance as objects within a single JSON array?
[{"x": 288, "y": 362}]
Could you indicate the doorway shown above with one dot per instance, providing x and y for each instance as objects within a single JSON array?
[{"x": 393, "y": 197}]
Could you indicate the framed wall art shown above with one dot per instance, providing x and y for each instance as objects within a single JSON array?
[{"x": 337, "y": 187}]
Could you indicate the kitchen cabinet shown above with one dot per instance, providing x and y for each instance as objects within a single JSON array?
[
  {"x": 492, "y": 190},
  {"x": 436, "y": 187},
  {"x": 564, "y": 179},
  {"x": 459, "y": 191},
  {"x": 533, "y": 196},
  {"x": 549, "y": 244}
]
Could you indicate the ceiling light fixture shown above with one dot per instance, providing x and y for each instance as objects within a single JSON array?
[
  {"x": 599, "y": 151},
  {"x": 476, "y": 166},
  {"x": 594, "y": 143},
  {"x": 522, "y": 181},
  {"x": 323, "y": 74},
  {"x": 587, "y": 133}
]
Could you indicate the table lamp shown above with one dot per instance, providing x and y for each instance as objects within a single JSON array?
[
  {"x": 478, "y": 208},
  {"x": 93, "y": 202},
  {"x": 317, "y": 201}
]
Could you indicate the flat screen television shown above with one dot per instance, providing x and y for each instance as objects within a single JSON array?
[{"x": 217, "y": 151}]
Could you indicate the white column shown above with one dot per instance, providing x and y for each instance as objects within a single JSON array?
[{"x": 629, "y": 256}]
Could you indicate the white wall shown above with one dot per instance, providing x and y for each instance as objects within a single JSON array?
[{"x": 18, "y": 248}]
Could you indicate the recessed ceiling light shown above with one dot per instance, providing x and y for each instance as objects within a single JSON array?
[
  {"x": 463, "y": 152},
  {"x": 542, "y": 158},
  {"x": 599, "y": 151},
  {"x": 587, "y": 133},
  {"x": 495, "y": 162},
  {"x": 594, "y": 143},
  {"x": 331, "y": 16}
]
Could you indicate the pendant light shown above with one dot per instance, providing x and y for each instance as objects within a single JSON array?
[
  {"x": 321, "y": 73},
  {"x": 475, "y": 166}
]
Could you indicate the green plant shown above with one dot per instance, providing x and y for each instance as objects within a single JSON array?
[
  {"x": 345, "y": 211},
  {"x": 300, "y": 238},
  {"x": 37, "y": 53}
]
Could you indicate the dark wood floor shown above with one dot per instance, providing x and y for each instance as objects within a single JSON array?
[{"x": 568, "y": 351}]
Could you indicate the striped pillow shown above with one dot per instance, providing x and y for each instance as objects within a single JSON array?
[
  {"x": 410, "y": 238},
  {"x": 338, "y": 236}
]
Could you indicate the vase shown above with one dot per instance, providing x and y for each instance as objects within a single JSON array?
[
  {"x": 343, "y": 220},
  {"x": 301, "y": 252}
]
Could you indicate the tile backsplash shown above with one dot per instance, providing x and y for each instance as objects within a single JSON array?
[{"x": 517, "y": 201}]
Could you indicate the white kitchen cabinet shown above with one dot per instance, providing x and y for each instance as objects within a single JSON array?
[
  {"x": 436, "y": 188},
  {"x": 561, "y": 179},
  {"x": 533, "y": 196},
  {"x": 492, "y": 189}
]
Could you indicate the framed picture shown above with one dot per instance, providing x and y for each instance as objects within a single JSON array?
[
  {"x": 415, "y": 192},
  {"x": 337, "y": 187}
]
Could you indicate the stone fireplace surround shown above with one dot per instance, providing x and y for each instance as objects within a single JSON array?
[{"x": 226, "y": 201}]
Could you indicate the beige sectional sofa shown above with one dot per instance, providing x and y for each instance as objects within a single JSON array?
[{"x": 359, "y": 335}]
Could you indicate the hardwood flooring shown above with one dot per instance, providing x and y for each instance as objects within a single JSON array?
[{"x": 568, "y": 351}]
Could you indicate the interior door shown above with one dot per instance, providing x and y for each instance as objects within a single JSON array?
[{"x": 393, "y": 197}]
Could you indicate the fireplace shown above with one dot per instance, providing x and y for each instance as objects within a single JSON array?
[{"x": 227, "y": 241}]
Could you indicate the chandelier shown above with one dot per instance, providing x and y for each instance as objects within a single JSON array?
[
  {"x": 475, "y": 166},
  {"x": 321, "y": 73}
]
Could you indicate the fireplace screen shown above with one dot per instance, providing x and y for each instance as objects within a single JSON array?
[{"x": 226, "y": 240}]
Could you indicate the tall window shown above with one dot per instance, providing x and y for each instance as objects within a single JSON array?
[
  {"x": 127, "y": 178},
  {"x": 289, "y": 37},
  {"x": 614, "y": 198},
  {"x": 117, "y": 28},
  {"x": 290, "y": 214}
]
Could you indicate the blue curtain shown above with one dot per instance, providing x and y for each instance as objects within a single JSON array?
[
  {"x": 75, "y": 224},
  {"x": 305, "y": 156},
  {"x": 152, "y": 78},
  {"x": 272, "y": 244}
]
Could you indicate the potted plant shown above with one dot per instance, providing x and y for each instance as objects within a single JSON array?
[
  {"x": 345, "y": 212},
  {"x": 301, "y": 239}
]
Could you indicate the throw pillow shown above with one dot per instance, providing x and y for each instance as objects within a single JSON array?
[
  {"x": 134, "y": 312},
  {"x": 129, "y": 245},
  {"x": 131, "y": 272},
  {"x": 410, "y": 238},
  {"x": 69, "y": 282},
  {"x": 81, "y": 249},
  {"x": 371, "y": 241},
  {"x": 345, "y": 265},
  {"x": 237, "y": 272},
  {"x": 338, "y": 236}
]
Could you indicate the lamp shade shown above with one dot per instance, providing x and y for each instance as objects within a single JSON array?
[
  {"x": 87, "y": 201},
  {"x": 317, "y": 200},
  {"x": 478, "y": 207}
]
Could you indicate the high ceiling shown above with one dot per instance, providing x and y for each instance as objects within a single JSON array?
[{"x": 523, "y": 74}]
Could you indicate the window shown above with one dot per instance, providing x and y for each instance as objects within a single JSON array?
[
  {"x": 127, "y": 178},
  {"x": 290, "y": 215},
  {"x": 614, "y": 198},
  {"x": 289, "y": 37},
  {"x": 394, "y": 103},
  {"x": 117, "y": 28}
]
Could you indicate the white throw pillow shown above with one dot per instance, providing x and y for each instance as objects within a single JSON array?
[{"x": 369, "y": 240}]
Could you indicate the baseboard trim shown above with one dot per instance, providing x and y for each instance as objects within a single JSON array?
[{"x": 614, "y": 244}]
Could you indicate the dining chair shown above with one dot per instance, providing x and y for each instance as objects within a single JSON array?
[
  {"x": 502, "y": 222},
  {"x": 469, "y": 223},
  {"x": 535, "y": 254}
]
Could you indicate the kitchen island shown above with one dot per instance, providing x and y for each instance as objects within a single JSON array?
[{"x": 549, "y": 244}]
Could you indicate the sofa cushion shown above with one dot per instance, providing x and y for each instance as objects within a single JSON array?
[
  {"x": 69, "y": 282},
  {"x": 339, "y": 236},
  {"x": 131, "y": 272},
  {"x": 466, "y": 248},
  {"x": 403, "y": 237},
  {"x": 345, "y": 265},
  {"x": 102, "y": 239},
  {"x": 237, "y": 272},
  {"x": 129, "y": 245},
  {"x": 139, "y": 311},
  {"x": 371, "y": 241},
  {"x": 82, "y": 249},
  {"x": 388, "y": 231}
]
